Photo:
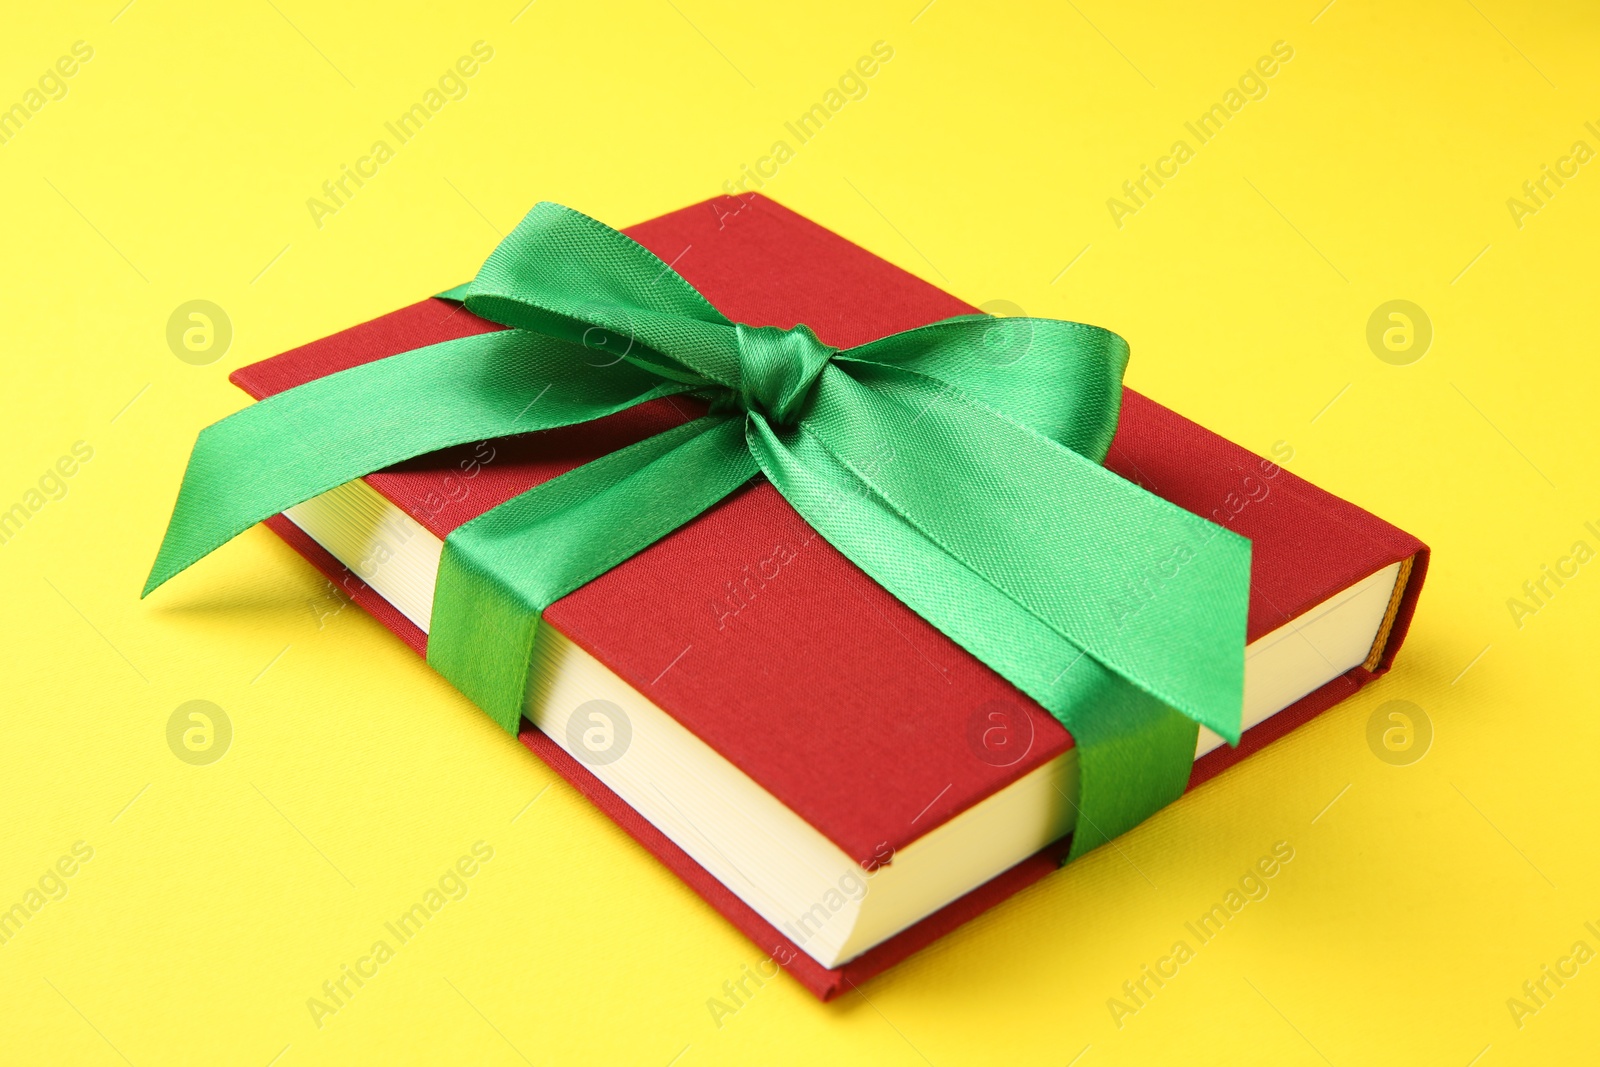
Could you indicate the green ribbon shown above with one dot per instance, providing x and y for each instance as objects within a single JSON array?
[{"x": 958, "y": 464}]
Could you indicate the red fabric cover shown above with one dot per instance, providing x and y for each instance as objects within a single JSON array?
[{"x": 861, "y": 748}]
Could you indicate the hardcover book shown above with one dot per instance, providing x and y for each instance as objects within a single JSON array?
[{"x": 833, "y": 774}]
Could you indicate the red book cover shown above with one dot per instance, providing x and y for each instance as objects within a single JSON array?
[{"x": 872, "y": 750}]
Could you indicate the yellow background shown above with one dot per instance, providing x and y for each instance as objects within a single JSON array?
[{"x": 221, "y": 897}]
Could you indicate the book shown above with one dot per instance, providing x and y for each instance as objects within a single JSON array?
[{"x": 838, "y": 778}]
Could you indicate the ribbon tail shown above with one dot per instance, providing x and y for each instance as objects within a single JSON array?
[
  {"x": 304, "y": 441},
  {"x": 1152, "y": 592},
  {"x": 1002, "y": 539},
  {"x": 501, "y": 570},
  {"x": 1134, "y": 753}
]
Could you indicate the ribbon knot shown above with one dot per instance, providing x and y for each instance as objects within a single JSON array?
[{"x": 778, "y": 370}]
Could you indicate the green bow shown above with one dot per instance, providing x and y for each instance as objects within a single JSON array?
[{"x": 969, "y": 486}]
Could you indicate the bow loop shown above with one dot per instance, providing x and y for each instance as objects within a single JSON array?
[
  {"x": 778, "y": 369},
  {"x": 562, "y": 274},
  {"x": 1062, "y": 379}
]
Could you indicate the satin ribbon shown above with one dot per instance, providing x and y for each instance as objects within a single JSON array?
[{"x": 970, "y": 487}]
